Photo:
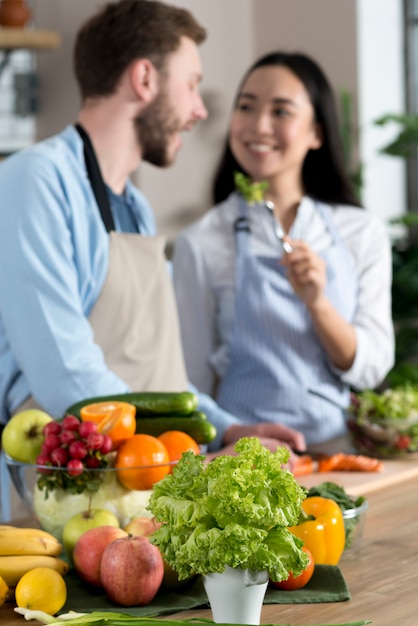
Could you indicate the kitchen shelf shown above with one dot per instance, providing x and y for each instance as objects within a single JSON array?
[
  {"x": 30, "y": 39},
  {"x": 25, "y": 39}
]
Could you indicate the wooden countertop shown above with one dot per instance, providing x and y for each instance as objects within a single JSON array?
[
  {"x": 364, "y": 483},
  {"x": 382, "y": 577}
]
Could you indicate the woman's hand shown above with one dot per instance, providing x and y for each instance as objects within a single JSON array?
[
  {"x": 267, "y": 430},
  {"x": 270, "y": 435},
  {"x": 307, "y": 275},
  {"x": 306, "y": 272}
]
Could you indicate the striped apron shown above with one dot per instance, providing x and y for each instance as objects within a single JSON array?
[{"x": 278, "y": 370}]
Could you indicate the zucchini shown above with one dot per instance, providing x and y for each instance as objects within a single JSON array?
[
  {"x": 196, "y": 425},
  {"x": 146, "y": 402}
]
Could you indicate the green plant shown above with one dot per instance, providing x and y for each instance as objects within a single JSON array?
[
  {"x": 405, "y": 261},
  {"x": 406, "y": 143}
]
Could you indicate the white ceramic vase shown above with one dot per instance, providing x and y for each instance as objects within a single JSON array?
[{"x": 236, "y": 595}]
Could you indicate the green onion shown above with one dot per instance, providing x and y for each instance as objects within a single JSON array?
[{"x": 119, "y": 619}]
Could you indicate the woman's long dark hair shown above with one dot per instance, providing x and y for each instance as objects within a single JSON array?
[{"x": 324, "y": 174}]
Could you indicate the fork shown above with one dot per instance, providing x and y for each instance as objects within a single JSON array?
[{"x": 278, "y": 229}]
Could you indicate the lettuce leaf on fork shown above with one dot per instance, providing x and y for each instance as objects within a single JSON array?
[{"x": 252, "y": 192}]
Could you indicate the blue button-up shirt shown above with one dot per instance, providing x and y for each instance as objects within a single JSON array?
[{"x": 54, "y": 255}]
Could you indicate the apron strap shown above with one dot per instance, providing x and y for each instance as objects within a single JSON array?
[
  {"x": 96, "y": 180},
  {"x": 242, "y": 223}
]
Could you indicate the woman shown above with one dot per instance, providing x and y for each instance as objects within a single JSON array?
[{"x": 281, "y": 336}]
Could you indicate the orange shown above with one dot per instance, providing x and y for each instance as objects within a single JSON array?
[
  {"x": 177, "y": 442},
  {"x": 116, "y": 419},
  {"x": 141, "y": 460}
]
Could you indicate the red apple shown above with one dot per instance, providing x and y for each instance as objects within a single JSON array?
[
  {"x": 131, "y": 571},
  {"x": 142, "y": 526},
  {"x": 89, "y": 549}
]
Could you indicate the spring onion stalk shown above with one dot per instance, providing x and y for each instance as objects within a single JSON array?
[
  {"x": 120, "y": 619},
  {"x": 45, "y": 618}
]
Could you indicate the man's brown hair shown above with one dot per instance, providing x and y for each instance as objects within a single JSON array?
[{"x": 123, "y": 32}]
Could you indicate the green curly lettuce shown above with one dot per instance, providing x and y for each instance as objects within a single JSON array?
[{"x": 232, "y": 511}]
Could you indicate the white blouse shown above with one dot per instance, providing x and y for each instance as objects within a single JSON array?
[{"x": 204, "y": 270}]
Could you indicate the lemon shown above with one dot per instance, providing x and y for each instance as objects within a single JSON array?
[
  {"x": 4, "y": 590},
  {"x": 41, "y": 589}
]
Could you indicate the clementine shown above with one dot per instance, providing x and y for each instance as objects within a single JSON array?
[
  {"x": 116, "y": 419},
  {"x": 177, "y": 442},
  {"x": 142, "y": 460}
]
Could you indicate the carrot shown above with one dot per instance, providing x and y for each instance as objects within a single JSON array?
[
  {"x": 349, "y": 463},
  {"x": 304, "y": 465},
  {"x": 329, "y": 463}
]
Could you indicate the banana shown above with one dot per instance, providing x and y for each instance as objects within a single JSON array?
[
  {"x": 4, "y": 591},
  {"x": 13, "y": 567},
  {"x": 26, "y": 541}
]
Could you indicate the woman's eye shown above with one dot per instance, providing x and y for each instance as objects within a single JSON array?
[
  {"x": 281, "y": 112},
  {"x": 243, "y": 106}
]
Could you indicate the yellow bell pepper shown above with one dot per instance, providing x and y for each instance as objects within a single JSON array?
[{"x": 324, "y": 536}]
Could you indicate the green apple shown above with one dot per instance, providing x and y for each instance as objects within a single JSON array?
[
  {"x": 22, "y": 436},
  {"x": 80, "y": 522}
]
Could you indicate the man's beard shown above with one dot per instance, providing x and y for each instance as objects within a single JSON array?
[{"x": 154, "y": 128}]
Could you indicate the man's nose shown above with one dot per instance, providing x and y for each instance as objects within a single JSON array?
[{"x": 200, "y": 111}]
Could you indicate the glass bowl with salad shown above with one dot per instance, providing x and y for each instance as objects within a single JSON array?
[{"x": 385, "y": 425}]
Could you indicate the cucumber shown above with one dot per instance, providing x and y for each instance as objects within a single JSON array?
[
  {"x": 146, "y": 402},
  {"x": 196, "y": 425}
]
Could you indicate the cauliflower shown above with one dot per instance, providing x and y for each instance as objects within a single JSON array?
[{"x": 56, "y": 509}]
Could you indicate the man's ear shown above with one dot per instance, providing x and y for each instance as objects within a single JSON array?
[{"x": 144, "y": 80}]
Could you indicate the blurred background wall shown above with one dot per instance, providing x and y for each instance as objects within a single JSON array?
[{"x": 359, "y": 43}]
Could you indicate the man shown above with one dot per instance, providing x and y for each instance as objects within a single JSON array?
[{"x": 86, "y": 303}]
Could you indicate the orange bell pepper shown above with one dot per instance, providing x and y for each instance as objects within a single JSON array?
[{"x": 323, "y": 531}]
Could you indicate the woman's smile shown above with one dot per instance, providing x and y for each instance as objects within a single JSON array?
[
  {"x": 273, "y": 125},
  {"x": 260, "y": 147}
]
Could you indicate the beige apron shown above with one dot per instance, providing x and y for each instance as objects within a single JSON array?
[{"x": 135, "y": 317}]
